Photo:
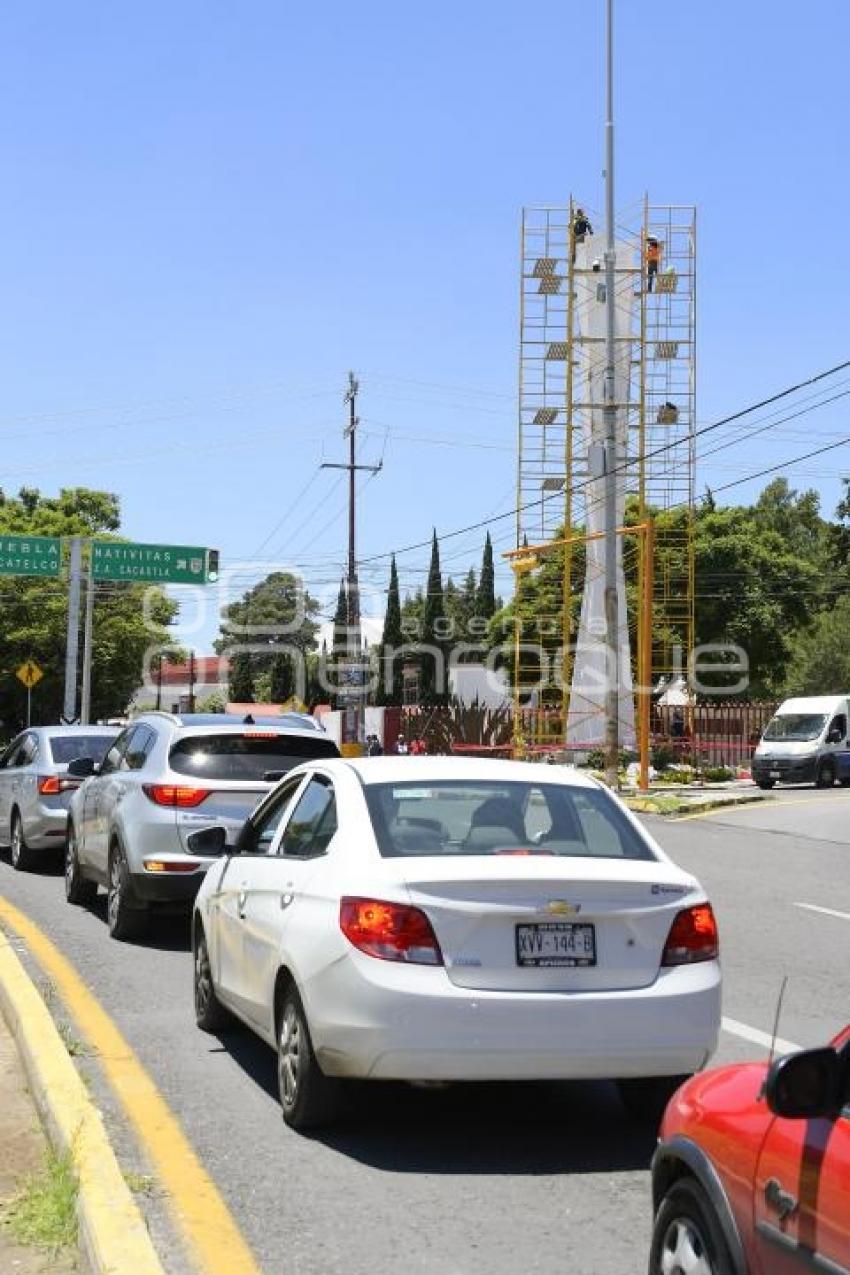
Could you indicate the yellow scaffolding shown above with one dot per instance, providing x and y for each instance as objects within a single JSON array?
[
  {"x": 528, "y": 559},
  {"x": 660, "y": 411}
]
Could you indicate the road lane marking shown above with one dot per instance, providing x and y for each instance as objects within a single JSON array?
[
  {"x": 756, "y": 1037},
  {"x": 769, "y": 803},
  {"x": 813, "y": 907},
  {"x": 198, "y": 1208}
]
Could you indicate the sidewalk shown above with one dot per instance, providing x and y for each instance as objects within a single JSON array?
[{"x": 25, "y": 1148}]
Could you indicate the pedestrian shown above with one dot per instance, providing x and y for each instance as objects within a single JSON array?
[
  {"x": 579, "y": 228},
  {"x": 418, "y": 748},
  {"x": 401, "y": 748},
  {"x": 373, "y": 746},
  {"x": 653, "y": 260}
]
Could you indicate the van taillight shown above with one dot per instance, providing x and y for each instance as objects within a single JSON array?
[
  {"x": 693, "y": 937},
  {"x": 389, "y": 931}
]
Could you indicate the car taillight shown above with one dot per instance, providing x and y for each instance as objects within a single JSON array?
[
  {"x": 693, "y": 937},
  {"x": 389, "y": 931},
  {"x": 50, "y": 785},
  {"x": 175, "y": 794}
]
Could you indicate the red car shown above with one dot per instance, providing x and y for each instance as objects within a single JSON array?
[{"x": 752, "y": 1171}]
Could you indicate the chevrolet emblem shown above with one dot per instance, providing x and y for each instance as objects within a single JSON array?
[{"x": 560, "y": 907}]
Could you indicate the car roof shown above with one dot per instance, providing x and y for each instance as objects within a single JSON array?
[
  {"x": 287, "y": 721},
  {"x": 77, "y": 730},
  {"x": 200, "y": 724},
  {"x": 389, "y": 770}
]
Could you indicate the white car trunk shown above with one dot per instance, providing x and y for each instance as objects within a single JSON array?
[{"x": 544, "y": 923}]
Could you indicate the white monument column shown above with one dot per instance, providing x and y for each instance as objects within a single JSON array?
[{"x": 586, "y": 717}]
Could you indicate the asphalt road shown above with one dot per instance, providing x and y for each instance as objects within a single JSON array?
[{"x": 476, "y": 1180}]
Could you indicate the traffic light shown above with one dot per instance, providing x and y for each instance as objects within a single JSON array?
[{"x": 212, "y": 564}]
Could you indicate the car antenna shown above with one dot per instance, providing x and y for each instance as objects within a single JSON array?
[
  {"x": 248, "y": 720},
  {"x": 776, "y": 1016}
]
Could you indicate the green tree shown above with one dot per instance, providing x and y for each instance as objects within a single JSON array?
[
  {"x": 282, "y": 680},
  {"x": 240, "y": 683},
  {"x": 35, "y": 612},
  {"x": 392, "y": 638},
  {"x": 821, "y": 660},
  {"x": 486, "y": 597},
  {"x": 276, "y": 617},
  {"x": 433, "y": 686}
]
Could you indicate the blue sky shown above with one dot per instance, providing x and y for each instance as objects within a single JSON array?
[{"x": 211, "y": 212}]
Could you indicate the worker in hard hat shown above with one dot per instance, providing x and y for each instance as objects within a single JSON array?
[
  {"x": 579, "y": 228},
  {"x": 653, "y": 260}
]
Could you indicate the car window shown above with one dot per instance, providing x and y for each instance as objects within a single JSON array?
[
  {"x": 261, "y": 832},
  {"x": 448, "y": 817},
  {"x": 9, "y": 752},
  {"x": 65, "y": 748},
  {"x": 112, "y": 760},
  {"x": 839, "y": 723},
  {"x": 313, "y": 822},
  {"x": 27, "y": 752},
  {"x": 256, "y": 754},
  {"x": 139, "y": 744}
]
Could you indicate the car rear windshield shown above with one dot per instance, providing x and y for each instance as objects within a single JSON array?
[
  {"x": 261, "y": 755},
  {"x": 453, "y": 817},
  {"x": 65, "y": 748}
]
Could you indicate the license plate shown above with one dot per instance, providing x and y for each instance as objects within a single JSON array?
[
  {"x": 554, "y": 943},
  {"x": 776, "y": 774}
]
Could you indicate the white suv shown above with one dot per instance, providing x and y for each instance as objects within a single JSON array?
[{"x": 138, "y": 824}]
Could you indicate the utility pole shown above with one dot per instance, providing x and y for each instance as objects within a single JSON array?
[
  {"x": 612, "y": 617},
  {"x": 351, "y": 731},
  {"x": 85, "y": 698},
  {"x": 72, "y": 639}
]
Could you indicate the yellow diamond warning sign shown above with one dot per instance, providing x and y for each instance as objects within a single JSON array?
[{"x": 29, "y": 673}]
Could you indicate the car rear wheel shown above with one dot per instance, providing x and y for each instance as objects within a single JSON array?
[
  {"x": 826, "y": 775},
  {"x": 308, "y": 1098},
  {"x": 646, "y": 1096},
  {"x": 77, "y": 889},
  {"x": 765, "y": 783},
  {"x": 125, "y": 919},
  {"x": 687, "y": 1238},
  {"x": 23, "y": 859},
  {"x": 210, "y": 1014}
]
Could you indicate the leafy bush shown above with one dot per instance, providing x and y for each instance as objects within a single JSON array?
[
  {"x": 663, "y": 755},
  {"x": 717, "y": 774}
]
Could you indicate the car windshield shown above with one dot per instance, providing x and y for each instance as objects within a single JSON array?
[
  {"x": 795, "y": 727},
  {"x": 65, "y": 748},
  {"x": 454, "y": 817},
  {"x": 254, "y": 755}
]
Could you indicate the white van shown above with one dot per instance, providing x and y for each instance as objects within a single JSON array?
[{"x": 805, "y": 742}]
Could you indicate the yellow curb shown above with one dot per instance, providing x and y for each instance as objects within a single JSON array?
[
  {"x": 200, "y": 1212},
  {"x": 113, "y": 1235}
]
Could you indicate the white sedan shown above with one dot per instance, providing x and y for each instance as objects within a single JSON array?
[{"x": 439, "y": 919}]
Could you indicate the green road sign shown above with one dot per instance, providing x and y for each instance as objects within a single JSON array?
[
  {"x": 155, "y": 564},
  {"x": 30, "y": 555}
]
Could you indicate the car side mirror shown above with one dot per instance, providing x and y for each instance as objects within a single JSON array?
[
  {"x": 208, "y": 841},
  {"x": 834, "y": 737},
  {"x": 82, "y": 767},
  {"x": 809, "y": 1085}
]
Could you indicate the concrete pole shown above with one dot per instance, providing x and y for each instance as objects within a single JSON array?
[
  {"x": 72, "y": 640},
  {"x": 612, "y": 618},
  {"x": 85, "y": 705}
]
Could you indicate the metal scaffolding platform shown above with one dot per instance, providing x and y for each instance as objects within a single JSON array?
[{"x": 558, "y": 362}]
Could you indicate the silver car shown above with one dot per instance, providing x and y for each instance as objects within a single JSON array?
[
  {"x": 148, "y": 822},
  {"x": 36, "y": 788}
]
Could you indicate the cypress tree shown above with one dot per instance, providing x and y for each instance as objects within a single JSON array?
[
  {"x": 486, "y": 597},
  {"x": 282, "y": 685},
  {"x": 240, "y": 682},
  {"x": 433, "y": 685},
  {"x": 391, "y": 640}
]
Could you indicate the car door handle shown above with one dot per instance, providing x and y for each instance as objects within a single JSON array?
[
  {"x": 286, "y": 899},
  {"x": 241, "y": 901},
  {"x": 781, "y": 1201}
]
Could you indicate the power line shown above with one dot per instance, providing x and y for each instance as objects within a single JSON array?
[{"x": 665, "y": 447}]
